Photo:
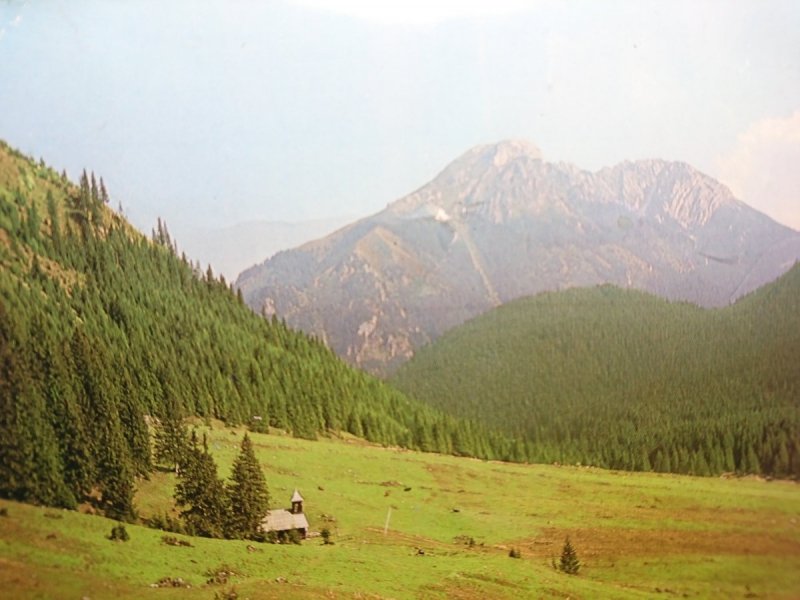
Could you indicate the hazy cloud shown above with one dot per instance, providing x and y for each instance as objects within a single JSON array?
[
  {"x": 417, "y": 12},
  {"x": 763, "y": 168}
]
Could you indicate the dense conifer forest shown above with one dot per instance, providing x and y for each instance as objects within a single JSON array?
[
  {"x": 102, "y": 329},
  {"x": 621, "y": 379}
]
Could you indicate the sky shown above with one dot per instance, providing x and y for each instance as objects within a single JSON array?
[{"x": 214, "y": 112}]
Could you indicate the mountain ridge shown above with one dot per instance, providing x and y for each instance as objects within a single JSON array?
[
  {"x": 498, "y": 223},
  {"x": 232, "y": 249}
]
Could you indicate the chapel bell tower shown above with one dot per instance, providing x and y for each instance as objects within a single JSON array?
[{"x": 297, "y": 503}]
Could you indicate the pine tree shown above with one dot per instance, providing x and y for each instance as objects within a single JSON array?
[
  {"x": 135, "y": 428},
  {"x": 202, "y": 493},
  {"x": 248, "y": 493},
  {"x": 30, "y": 466},
  {"x": 68, "y": 422},
  {"x": 104, "y": 193},
  {"x": 55, "y": 221},
  {"x": 569, "y": 562},
  {"x": 170, "y": 437},
  {"x": 117, "y": 479}
]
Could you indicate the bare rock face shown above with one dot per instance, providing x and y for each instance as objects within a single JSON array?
[{"x": 499, "y": 223}]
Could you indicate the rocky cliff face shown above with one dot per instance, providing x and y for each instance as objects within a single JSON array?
[{"x": 499, "y": 223}]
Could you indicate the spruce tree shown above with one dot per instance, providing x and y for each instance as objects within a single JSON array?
[
  {"x": 170, "y": 437},
  {"x": 30, "y": 466},
  {"x": 248, "y": 493},
  {"x": 68, "y": 421},
  {"x": 569, "y": 562},
  {"x": 202, "y": 493}
]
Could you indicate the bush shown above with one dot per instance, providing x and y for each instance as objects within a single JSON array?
[
  {"x": 119, "y": 533},
  {"x": 515, "y": 553},
  {"x": 259, "y": 425},
  {"x": 293, "y": 536},
  {"x": 326, "y": 536},
  {"x": 166, "y": 522}
]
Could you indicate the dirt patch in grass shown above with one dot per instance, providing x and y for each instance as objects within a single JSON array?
[
  {"x": 392, "y": 537},
  {"x": 607, "y": 543},
  {"x": 474, "y": 586},
  {"x": 28, "y": 581}
]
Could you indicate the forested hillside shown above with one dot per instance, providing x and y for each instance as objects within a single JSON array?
[
  {"x": 625, "y": 380},
  {"x": 101, "y": 327}
]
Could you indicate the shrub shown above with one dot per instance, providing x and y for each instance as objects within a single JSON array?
[
  {"x": 515, "y": 553},
  {"x": 166, "y": 522},
  {"x": 293, "y": 536},
  {"x": 119, "y": 533},
  {"x": 259, "y": 425},
  {"x": 326, "y": 536}
]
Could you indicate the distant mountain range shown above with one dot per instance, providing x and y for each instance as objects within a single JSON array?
[
  {"x": 230, "y": 250},
  {"x": 500, "y": 223}
]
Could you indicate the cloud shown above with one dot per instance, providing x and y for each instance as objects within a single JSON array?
[
  {"x": 763, "y": 168},
  {"x": 417, "y": 12}
]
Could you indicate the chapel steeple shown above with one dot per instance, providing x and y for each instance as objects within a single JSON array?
[{"x": 297, "y": 503}]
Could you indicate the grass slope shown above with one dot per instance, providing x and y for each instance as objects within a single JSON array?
[{"x": 638, "y": 535}]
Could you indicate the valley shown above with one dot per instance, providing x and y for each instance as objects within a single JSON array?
[
  {"x": 637, "y": 535},
  {"x": 104, "y": 333},
  {"x": 346, "y": 300}
]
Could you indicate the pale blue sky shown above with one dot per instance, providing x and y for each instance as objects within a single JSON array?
[{"x": 214, "y": 112}]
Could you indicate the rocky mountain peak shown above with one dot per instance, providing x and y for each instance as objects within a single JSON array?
[
  {"x": 490, "y": 158},
  {"x": 499, "y": 223},
  {"x": 660, "y": 189},
  {"x": 506, "y": 151},
  {"x": 462, "y": 185}
]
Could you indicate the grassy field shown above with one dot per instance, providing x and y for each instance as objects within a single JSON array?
[{"x": 637, "y": 535}]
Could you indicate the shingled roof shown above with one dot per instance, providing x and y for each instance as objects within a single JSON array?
[{"x": 283, "y": 520}]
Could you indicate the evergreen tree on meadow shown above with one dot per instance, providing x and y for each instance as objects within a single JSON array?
[
  {"x": 247, "y": 490},
  {"x": 201, "y": 493},
  {"x": 569, "y": 562}
]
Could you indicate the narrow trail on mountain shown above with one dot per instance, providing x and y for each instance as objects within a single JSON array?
[{"x": 462, "y": 231}]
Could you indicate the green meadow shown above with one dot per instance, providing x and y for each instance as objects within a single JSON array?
[{"x": 412, "y": 525}]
